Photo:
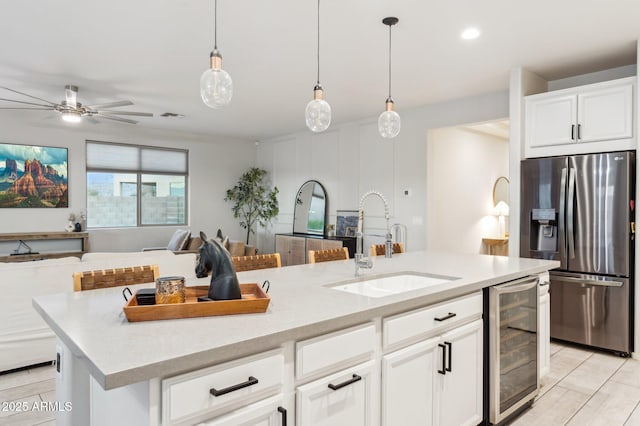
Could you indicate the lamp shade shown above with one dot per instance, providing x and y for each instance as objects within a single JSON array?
[{"x": 501, "y": 209}]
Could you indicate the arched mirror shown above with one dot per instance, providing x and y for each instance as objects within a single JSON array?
[
  {"x": 501, "y": 191},
  {"x": 310, "y": 212}
]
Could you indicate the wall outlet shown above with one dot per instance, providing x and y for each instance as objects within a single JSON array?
[{"x": 407, "y": 192}]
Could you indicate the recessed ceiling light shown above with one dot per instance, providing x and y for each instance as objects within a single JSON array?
[{"x": 470, "y": 33}]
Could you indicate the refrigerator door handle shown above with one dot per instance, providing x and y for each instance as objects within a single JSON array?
[
  {"x": 570, "y": 202},
  {"x": 561, "y": 218},
  {"x": 573, "y": 280}
]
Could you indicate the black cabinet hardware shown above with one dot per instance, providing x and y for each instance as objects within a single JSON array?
[
  {"x": 354, "y": 378},
  {"x": 449, "y": 357},
  {"x": 446, "y": 317},
  {"x": 579, "y": 125},
  {"x": 250, "y": 382},
  {"x": 283, "y": 411},
  {"x": 443, "y": 371},
  {"x": 573, "y": 131}
]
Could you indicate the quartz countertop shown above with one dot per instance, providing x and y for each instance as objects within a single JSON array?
[{"x": 118, "y": 353}]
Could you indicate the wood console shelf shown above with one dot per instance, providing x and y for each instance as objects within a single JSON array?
[{"x": 40, "y": 236}]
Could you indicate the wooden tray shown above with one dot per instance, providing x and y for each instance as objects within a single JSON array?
[{"x": 254, "y": 300}]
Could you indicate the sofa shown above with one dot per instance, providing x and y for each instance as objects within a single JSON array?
[
  {"x": 25, "y": 339},
  {"x": 184, "y": 241}
]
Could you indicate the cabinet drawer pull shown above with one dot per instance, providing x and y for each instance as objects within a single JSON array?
[
  {"x": 443, "y": 371},
  {"x": 250, "y": 382},
  {"x": 449, "y": 357},
  {"x": 446, "y": 317},
  {"x": 579, "y": 131},
  {"x": 283, "y": 411},
  {"x": 573, "y": 132},
  {"x": 354, "y": 379}
]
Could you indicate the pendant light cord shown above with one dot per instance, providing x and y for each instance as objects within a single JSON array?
[
  {"x": 389, "y": 61},
  {"x": 318, "y": 47},
  {"x": 215, "y": 25}
]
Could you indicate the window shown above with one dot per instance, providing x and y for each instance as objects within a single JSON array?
[{"x": 130, "y": 185}]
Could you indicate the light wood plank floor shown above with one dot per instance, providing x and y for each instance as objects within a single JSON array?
[
  {"x": 583, "y": 388},
  {"x": 21, "y": 393},
  {"x": 586, "y": 388}
]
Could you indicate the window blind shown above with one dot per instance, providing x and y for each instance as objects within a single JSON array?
[{"x": 134, "y": 158}]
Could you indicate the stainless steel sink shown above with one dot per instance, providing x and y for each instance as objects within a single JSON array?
[{"x": 395, "y": 284}]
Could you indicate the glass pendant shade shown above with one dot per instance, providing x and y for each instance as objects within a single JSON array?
[
  {"x": 216, "y": 86},
  {"x": 318, "y": 112},
  {"x": 389, "y": 122}
]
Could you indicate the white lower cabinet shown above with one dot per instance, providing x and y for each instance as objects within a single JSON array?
[
  {"x": 459, "y": 389},
  {"x": 435, "y": 382},
  {"x": 544, "y": 332},
  {"x": 408, "y": 385},
  {"x": 270, "y": 412},
  {"x": 348, "y": 398}
]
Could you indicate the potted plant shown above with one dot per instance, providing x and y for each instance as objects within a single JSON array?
[{"x": 252, "y": 200}]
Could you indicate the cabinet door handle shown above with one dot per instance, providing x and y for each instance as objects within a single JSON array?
[
  {"x": 353, "y": 379},
  {"x": 250, "y": 382},
  {"x": 446, "y": 317},
  {"x": 573, "y": 131},
  {"x": 283, "y": 411},
  {"x": 449, "y": 357},
  {"x": 579, "y": 125},
  {"x": 443, "y": 371}
]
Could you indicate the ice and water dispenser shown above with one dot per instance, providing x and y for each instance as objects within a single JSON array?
[{"x": 544, "y": 230}]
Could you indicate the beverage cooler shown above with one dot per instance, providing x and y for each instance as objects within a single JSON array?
[{"x": 513, "y": 347}]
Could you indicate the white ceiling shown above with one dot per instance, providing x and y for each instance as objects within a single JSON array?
[{"x": 152, "y": 52}]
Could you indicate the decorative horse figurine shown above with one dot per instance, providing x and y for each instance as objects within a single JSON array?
[{"x": 215, "y": 258}]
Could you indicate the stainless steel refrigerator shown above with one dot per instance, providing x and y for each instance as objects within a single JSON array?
[{"x": 580, "y": 210}]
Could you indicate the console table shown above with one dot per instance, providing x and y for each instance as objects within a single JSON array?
[{"x": 39, "y": 236}]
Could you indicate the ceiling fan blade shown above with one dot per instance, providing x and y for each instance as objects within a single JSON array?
[
  {"x": 29, "y": 96},
  {"x": 140, "y": 114},
  {"x": 123, "y": 120},
  {"x": 111, "y": 104},
  {"x": 27, "y": 103},
  {"x": 35, "y": 109}
]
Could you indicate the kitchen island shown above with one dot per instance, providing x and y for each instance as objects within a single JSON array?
[{"x": 116, "y": 372}]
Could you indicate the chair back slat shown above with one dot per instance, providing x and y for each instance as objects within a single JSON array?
[
  {"x": 328, "y": 255},
  {"x": 258, "y": 261},
  {"x": 379, "y": 249},
  {"x": 104, "y": 278}
]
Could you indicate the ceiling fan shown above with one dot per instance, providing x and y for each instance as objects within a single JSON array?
[{"x": 73, "y": 111}]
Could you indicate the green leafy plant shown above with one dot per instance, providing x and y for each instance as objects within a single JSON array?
[{"x": 252, "y": 200}]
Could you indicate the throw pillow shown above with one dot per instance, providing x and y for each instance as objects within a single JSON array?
[{"x": 179, "y": 240}]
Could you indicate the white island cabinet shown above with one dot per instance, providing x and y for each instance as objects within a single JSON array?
[
  {"x": 437, "y": 381},
  {"x": 318, "y": 356}
]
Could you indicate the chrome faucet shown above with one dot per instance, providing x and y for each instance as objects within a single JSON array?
[{"x": 361, "y": 260}]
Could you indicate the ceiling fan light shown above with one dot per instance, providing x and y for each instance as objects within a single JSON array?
[{"x": 71, "y": 117}]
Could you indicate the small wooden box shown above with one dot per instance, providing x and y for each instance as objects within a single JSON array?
[{"x": 254, "y": 300}]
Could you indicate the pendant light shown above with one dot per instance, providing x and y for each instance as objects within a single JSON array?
[
  {"x": 318, "y": 112},
  {"x": 389, "y": 120},
  {"x": 216, "y": 87}
]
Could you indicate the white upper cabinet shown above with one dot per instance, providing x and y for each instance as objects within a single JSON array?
[
  {"x": 593, "y": 118},
  {"x": 605, "y": 114},
  {"x": 551, "y": 121}
]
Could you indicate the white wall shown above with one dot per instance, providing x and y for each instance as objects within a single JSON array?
[
  {"x": 462, "y": 167},
  {"x": 215, "y": 165},
  {"x": 351, "y": 159}
]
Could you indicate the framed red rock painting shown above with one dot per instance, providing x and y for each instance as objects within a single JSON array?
[{"x": 33, "y": 176}]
